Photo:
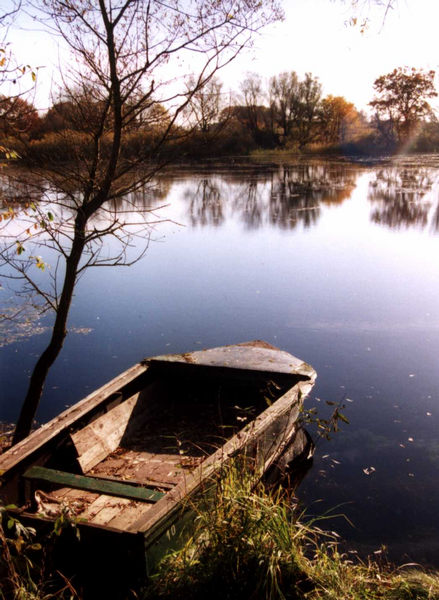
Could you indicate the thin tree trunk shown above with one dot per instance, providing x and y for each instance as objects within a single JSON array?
[
  {"x": 89, "y": 207},
  {"x": 59, "y": 332}
]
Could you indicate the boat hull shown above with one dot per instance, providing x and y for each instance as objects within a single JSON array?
[{"x": 131, "y": 460}]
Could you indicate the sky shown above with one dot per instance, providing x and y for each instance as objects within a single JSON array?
[{"x": 314, "y": 37}]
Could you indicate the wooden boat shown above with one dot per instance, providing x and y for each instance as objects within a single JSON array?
[{"x": 126, "y": 461}]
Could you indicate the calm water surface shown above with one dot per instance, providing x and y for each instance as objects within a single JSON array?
[{"x": 336, "y": 263}]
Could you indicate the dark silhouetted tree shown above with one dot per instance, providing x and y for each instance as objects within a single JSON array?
[
  {"x": 401, "y": 101},
  {"x": 122, "y": 51}
]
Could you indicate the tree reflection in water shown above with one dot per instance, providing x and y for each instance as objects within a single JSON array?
[
  {"x": 205, "y": 203},
  {"x": 296, "y": 196},
  {"x": 400, "y": 196},
  {"x": 285, "y": 196},
  {"x": 30, "y": 276}
]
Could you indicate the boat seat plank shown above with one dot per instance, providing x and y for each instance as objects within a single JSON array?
[
  {"x": 71, "y": 495},
  {"x": 103, "y": 509},
  {"x": 92, "y": 484},
  {"x": 58, "y": 426},
  {"x": 97, "y": 440},
  {"x": 128, "y": 515}
]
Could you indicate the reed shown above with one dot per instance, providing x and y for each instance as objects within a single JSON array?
[{"x": 254, "y": 543}]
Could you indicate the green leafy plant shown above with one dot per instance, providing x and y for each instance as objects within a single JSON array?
[
  {"x": 326, "y": 427},
  {"x": 24, "y": 561}
]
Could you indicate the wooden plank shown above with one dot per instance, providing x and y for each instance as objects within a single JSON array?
[
  {"x": 242, "y": 357},
  {"x": 94, "y": 508},
  {"x": 102, "y": 512},
  {"x": 128, "y": 515},
  {"x": 165, "y": 508},
  {"x": 95, "y": 441},
  {"x": 142, "y": 482},
  {"x": 13, "y": 457},
  {"x": 69, "y": 494},
  {"x": 92, "y": 484}
]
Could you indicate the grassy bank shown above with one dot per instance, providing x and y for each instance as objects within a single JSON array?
[
  {"x": 253, "y": 544},
  {"x": 250, "y": 543}
]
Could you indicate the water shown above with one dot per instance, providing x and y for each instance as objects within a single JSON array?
[{"x": 333, "y": 262}]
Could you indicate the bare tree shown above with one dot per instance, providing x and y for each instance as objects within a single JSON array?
[
  {"x": 253, "y": 113},
  {"x": 206, "y": 104},
  {"x": 294, "y": 104},
  {"x": 123, "y": 54},
  {"x": 284, "y": 100}
]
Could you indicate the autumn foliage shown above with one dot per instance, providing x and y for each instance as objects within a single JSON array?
[{"x": 284, "y": 112}]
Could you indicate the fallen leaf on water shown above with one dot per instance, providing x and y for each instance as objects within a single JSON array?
[{"x": 369, "y": 470}]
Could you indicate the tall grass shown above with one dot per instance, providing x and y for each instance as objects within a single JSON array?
[{"x": 252, "y": 543}]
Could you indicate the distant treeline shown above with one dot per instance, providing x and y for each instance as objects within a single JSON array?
[{"x": 285, "y": 112}]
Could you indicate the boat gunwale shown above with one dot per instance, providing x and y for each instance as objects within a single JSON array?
[
  {"x": 22, "y": 453},
  {"x": 168, "y": 509},
  {"x": 121, "y": 387},
  {"x": 50, "y": 431},
  {"x": 164, "y": 509}
]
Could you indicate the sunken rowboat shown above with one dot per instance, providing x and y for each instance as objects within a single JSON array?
[{"x": 126, "y": 462}]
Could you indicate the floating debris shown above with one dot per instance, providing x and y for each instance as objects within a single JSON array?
[{"x": 369, "y": 470}]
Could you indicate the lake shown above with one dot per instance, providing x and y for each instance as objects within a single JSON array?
[{"x": 335, "y": 262}]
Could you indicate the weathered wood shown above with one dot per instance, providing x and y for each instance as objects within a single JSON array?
[
  {"x": 178, "y": 400},
  {"x": 92, "y": 484},
  {"x": 149, "y": 468},
  {"x": 129, "y": 514},
  {"x": 155, "y": 520},
  {"x": 145, "y": 482},
  {"x": 242, "y": 357},
  {"x": 103, "y": 509},
  {"x": 95, "y": 441},
  {"x": 32, "y": 444}
]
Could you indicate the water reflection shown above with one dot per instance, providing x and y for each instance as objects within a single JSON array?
[
  {"x": 205, "y": 203},
  {"x": 37, "y": 222},
  {"x": 284, "y": 197},
  {"x": 298, "y": 192},
  {"x": 355, "y": 302},
  {"x": 401, "y": 197},
  {"x": 288, "y": 196}
]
